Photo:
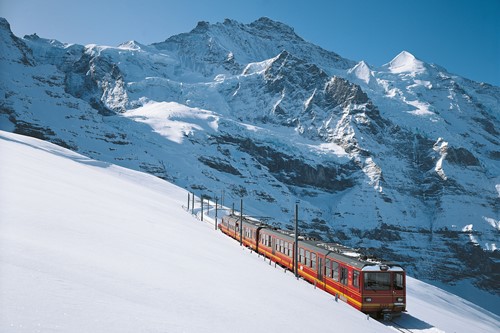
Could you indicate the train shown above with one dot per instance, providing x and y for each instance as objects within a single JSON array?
[{"x": 373, "y": 286}]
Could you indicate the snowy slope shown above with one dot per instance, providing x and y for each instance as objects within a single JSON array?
[
  {"x": 401, "y": 159},
  {"x": 88, "y": 246}
]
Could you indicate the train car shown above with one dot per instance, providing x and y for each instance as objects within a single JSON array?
[
  {"x": 230, "y": 225},
  {"x": 371, "y": 286},
  {"x": 276, "y": 245}
]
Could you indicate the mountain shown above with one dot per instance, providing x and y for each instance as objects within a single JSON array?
[{"x": 400, "y": 160}]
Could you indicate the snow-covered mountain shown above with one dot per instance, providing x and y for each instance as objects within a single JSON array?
[{"x": 401, "y": 160}]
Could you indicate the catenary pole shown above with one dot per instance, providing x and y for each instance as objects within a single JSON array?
[
  {"x": 296, "y": 243},
  {"x": 241, "y": 222},
  {"x": 215, "y": 213}
]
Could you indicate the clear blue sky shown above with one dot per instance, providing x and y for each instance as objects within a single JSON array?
[{"x": 461, "y": 35}]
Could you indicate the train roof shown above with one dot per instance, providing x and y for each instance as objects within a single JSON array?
[{"x": 342, "y": 253}]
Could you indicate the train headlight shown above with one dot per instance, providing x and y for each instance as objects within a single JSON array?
[
  {"x": 400, "y": 299},
  {"x": 368, "y": 299}
]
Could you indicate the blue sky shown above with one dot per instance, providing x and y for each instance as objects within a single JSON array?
[{"x": 461, "y": 35}]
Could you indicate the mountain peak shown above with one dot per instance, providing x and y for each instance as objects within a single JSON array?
[
  {"x": 202, "y": 26},
  {"x": 131, "y": 45},
  {"x": 4, "y": 24},
  {"x": 361, "y": 71},
  {"x": 405, "y": 62},
  {"x": 267, "y": 23}
]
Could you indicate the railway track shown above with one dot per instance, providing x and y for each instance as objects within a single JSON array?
[{"x": 399, "y": 327}]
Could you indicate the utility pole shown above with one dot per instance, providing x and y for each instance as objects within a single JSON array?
[
  {"x": 296, "y": 245},
  {"x": 215, "y": 213},
  {"x": 192, "y": 206},
  {"x": 201, "y": 199},
  {"x": 241, "y": 222},
  {"x": 189, "y": 199}
]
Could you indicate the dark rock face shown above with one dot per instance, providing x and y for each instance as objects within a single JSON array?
[
  {"x": 24, "y": 53},
  {"x": 219, "y": 164},
  {"x": 293, "y": 171},
  {"x": 341, "y": 92},
  {"x": 82, "y": 81},
  {"x": 462, "y": 157}
]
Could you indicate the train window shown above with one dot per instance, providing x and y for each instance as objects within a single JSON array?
[
  {"x": 286, "y": 249},
  {"x": 301, "y": 255},
  {"x": 398, "y": 281},
  {"x": 377, "y": 281},
  {"x": 355, "y": 279},
  {"x": 343, "y": 275},
  {"x": 313, "y": 260},
  {"x": 328, "y": 268},
  {"x": 282, "y": 246},
  {"x": 335, "y": 270},
  {"x": 308, "y": 258}
]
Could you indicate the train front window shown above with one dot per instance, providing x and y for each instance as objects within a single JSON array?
[
  {"x": 398, "y": 281},
  {"x": 377, "y": 281}
]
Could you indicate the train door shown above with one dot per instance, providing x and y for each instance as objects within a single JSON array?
[
  {"x": 343, "y": 281},
  {"x": 273, "y": 245},
  {"x": 398, "y": 289},
  {"x": 320, "y": 268}
]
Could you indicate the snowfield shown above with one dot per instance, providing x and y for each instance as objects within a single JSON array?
[{"x": 87, "y": 246}]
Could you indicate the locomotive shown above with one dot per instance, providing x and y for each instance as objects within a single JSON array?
[{"x": 375, "y": 287}]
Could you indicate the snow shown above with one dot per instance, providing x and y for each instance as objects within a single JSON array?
[
  {"x": 361, "y": 71},
  {"x": 258, "y": 67},
  {"x": 495, "y": 224},
  {"x": 468, "y": 228},
  {"x": 441, "y": 147},
  {"x": 173, "y": 120},
  {"x": 405, "y": 62},
  {"x": 377, "y": 268},
  {"x": 87, "y": 246}
]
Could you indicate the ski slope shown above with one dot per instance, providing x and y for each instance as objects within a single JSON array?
[{"x": 87, "y": 246}]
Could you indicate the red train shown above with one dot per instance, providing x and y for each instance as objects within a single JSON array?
[{"x": 373, "y": 287}]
